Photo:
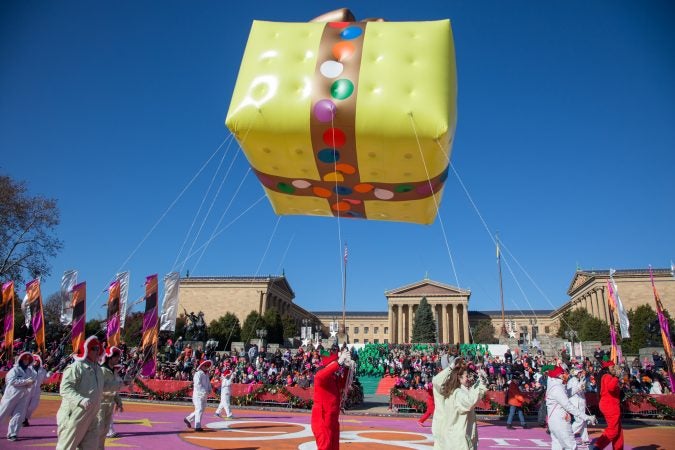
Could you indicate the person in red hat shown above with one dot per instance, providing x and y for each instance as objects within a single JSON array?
[
  {"x": 81, "y": 391},
  {"x": 41, "y": 374},
  {"x": 560, "y": 409},
  {"x": 331, "y": 382},
  {"x": 610, "y": 406},
  {"x": 225, "y": 393},
  {"x": 19, "y": 381},
  {"x": 111, "y": 400},
  {"x": 200, "y": 393}
]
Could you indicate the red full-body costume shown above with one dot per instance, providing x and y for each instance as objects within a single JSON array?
[
  {"x": 431, "y": 406},
  {"x": 329, "y": 384},
  {"x": 610, "y": 406}
]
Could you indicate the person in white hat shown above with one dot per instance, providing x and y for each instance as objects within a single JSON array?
[
  {"x": 576, "y": 390},
  {"x": 19, "y": 382},
  {"x": 35, "y": 391},
  {"x": 560, "y": 410},
  {"x": 111, "y": 400},
  {"x": 225, "y": 393},
  {"x": 200, "y": 393},
  {"x": 81, "y": 391}
]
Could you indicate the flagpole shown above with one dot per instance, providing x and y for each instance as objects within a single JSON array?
[
  {"x": 344, "y": 294},
  {"x": 501, "y": 287}
]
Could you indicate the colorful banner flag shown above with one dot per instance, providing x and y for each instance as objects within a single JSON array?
[
  {"x": 123, "y": 278},
  {"x": 68, "y": 280},
  {"x": 170, "y": 304},
  {"x": 79, "y": 318},
  {"x": 665, "y": 332},
  {"x": 113, "y": 317},
  {"x": 150, "y": 328},
  {"x": 32, "y": 310},
  {"x": 7, "y": 319},
  {"x": 615, "y": 351},
  {"x": 624, "y": 323}
]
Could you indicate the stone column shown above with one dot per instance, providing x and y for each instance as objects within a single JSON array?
[
  {"x": 391, "y": 323},
  {"x": 599, "y": 294},
  {"x": 455, "y": 324},
  {"x": 467, "y": 336},
  {"x": 401, "y": 327}
]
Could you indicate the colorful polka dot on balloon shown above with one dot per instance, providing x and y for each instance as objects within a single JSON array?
[
  {"x": 331, "y": 69},
  {"x": 334, "y": 137},
  {"x": 341, "y": 89},
  {"x": 324, "y": 110},
  {"x": 285, "y": 188},
  {"x": 328, "y": 155},
  {"x": 404, "y": 188},
  {"x": 334, "y": 176},
  {"x": 301, "y": 184},
  {"x": 424, "y": 189},
  {"x": 322, "y": 192},
  {"x": 353, "y": 214},
  {"x": 351, "y": 33},
  {"x": 363, "y": 188},
  {"x": 353, "y": 201},
  {"x": 341, "y": 206},
  {"x": 338, "y": 24},
  {"x": 343, "y": 50},
  {"x": 342, "y": 190},
  {"x": 383, "y": 194},
  {"x": 346, "y": 168}
]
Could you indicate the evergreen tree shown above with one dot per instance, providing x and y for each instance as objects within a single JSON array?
[
  {"x": 484, "y": 333},
  {"x": 254, "y": 321},
  {"x": 275, "y": 327},
  {"x": 588, "y": 328},
  {"x": 424, "y": 328},
  {"x": 133, "y": 329},
  {"x": 225, "y": 330},
  {"x": 290, "y": 328}
]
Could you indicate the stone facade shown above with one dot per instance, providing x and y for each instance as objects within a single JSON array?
[{"x": 362, "y": 327}]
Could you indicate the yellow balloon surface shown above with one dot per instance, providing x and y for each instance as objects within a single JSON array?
[{"x": 349, "y": 119}]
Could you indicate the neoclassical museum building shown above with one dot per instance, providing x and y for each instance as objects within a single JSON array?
[{"x": 588, "y": 289}]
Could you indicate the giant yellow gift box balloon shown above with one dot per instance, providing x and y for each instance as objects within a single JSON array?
[{"x": 348, "y": 119}]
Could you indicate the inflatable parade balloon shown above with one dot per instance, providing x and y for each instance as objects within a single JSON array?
[{"x": 348, "y": 119}]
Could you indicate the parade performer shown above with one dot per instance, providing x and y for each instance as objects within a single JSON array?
[
  {"x": 515, "y": 400},
  {"x": 111, "y": 400},
  {"x": 454, "y": 424},
  {"x": 225, "y": 393},
  {"x": 331, "y": 385},
  {"x": 560, "y": 410},
  {"x": 431, "y": 406},
  {"x": 610, "y": 406},
  {"x": 81, "y": 391},
  {"x": 200, "y": 393},
  {"x": 19, "y": 381},
  {"x": 576, "y": 390},
  {"x": 35, "y": 391}
]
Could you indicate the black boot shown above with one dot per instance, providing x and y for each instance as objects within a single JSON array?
[{"x": 25, "y": 423}]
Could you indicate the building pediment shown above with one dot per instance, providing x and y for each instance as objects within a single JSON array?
[
  {"x": 281, "y": 283},
  {"x": 427, "y": 288}
]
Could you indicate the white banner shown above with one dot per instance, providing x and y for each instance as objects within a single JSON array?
[
  {"x": 623, "y": 317},
  {"x": 68, "y": 280},
  {"x": 123, "y": 278},
  {"x": 167, "y": 322}
]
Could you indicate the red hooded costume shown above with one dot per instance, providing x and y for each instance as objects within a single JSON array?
[
  {"x": 329, "y": 384},
  {"x": 610, "y": 406}
]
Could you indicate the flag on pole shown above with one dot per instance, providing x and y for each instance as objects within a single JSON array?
[
  {"x": 615, "y": 353},
  {"x": 150, "y": 328},
  {"x": 346, "y": 254},
  {"x": 79, "y": 316},
  {"x": 123, "y": 278},
  {"x": 624, "y": 323},
  {"x": 112, "y": 334},
  {"x": 665, "y": 331},
  {"x": 170, "y": 303},
  {"x": 68, "y": 280},
  {"x": 7, "y": 319},
  {"x": 32, "y": 310}
]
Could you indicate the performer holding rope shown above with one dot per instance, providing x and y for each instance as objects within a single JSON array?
[
  {"x": 331, "y": 386},
  {"x": 610, "y": 406},
  {"x": 455, "y": 394}
]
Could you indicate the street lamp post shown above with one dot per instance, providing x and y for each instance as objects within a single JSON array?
[{"x": 571, "y": 334}]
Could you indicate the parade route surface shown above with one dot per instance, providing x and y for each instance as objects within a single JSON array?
[{"x": 155, "y": 425}]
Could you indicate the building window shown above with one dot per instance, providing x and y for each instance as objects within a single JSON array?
[
  {"x": 365, "y": 330},
  {"x": 377, "y": 341},
  {"x": 376, "y": 330},
  {"x": 356, "y": 341},
  {"x": 346, "y": 329},
  {"x": 365, "y": 341},
  {"x": 356, "y": 330},
  {"x": 386, "y": 330},
  {"x": 386, "y": 341},
  {"x": 546, "y": 330}
]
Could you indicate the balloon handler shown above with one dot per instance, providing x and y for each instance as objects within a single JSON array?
[{"x": 331, "y": 385}]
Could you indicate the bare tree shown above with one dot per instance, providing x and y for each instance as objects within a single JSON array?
[{"x": 27, "y": 226}]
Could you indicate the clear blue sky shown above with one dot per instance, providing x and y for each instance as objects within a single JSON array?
[{"x": 565, "y": 141}]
